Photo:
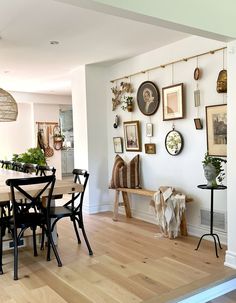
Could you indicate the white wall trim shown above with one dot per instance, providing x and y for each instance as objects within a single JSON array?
[
  {"x": 193, "y": 230},
  {"x": 230, "y": 259},
  {"x": 94, "y": 209}
]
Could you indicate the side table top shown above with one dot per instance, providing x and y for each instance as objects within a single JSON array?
[{"x": 219, "y": 187}]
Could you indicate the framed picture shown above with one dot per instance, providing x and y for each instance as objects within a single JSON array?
[
  {"x": 148, "y": 98},
  {"x": 172, "y": 98},
  {"x": 174, "y": 142},
  {"x": 149, "y": 129},
  {"x": 150, "y": 148},
  {"x": 132, "y": 136},
  {"x": 198, "y": 123},
  {"x": 118, "y": 145},
  {"x": 216, "y": 125}
]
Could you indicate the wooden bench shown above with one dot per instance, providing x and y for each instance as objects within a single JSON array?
[{"x": 142, "y": 192}]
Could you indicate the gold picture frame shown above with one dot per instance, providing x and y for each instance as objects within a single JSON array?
[
  {"x": 172, "y": 98},
  {"x": 132, "y": 136},
  {"x": 216, "y": 126},
  {"x": 150, "y": 148}
]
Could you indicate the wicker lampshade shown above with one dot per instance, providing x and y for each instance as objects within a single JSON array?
[{"x": 8, "y": 107}]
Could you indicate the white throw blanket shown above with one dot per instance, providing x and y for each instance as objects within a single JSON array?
[{"x": 169, "y": 207}]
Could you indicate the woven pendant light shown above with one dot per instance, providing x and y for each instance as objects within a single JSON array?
[{"x": 8, "y": 107}]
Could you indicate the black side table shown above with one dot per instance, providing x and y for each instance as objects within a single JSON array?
[{"x": 214, "y": 235}]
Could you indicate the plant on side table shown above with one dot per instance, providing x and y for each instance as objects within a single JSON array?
[{"x": 213, "y": 169}]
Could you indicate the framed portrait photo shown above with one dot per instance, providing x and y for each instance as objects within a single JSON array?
[
  {"x": 118, "y": 145},
  {"x": 148, "y": 98},
  {"x": 150, "y": 148},
  {"x": 132, "y": 136},
  {"x": 172, "y": 98},
  {"x": 216, "y": 126}
]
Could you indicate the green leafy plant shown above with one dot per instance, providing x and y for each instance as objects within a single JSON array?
[
  {"x": 32, "y": 155},
  {"x": 217, "y": 163},
  {"x": 127, "y": 101}
]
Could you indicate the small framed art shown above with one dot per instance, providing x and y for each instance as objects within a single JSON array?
[
  {"x": 198, "y": 123},
  {"x": 172, "y": 98},
  {"x": 216, "y": 126},
  {"x": 150, "y": 148},
  {"x": 132, "y": 136},
  {"x": 149, "y": 130},
  {"x": 118, "y": 145}
]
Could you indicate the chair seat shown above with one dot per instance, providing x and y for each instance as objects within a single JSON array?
[
  {"x": 28, "y": 219},
  {"x": 60, "y": 211}
]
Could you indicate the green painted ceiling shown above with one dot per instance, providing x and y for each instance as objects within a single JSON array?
[{"x": 213, "y": 16}]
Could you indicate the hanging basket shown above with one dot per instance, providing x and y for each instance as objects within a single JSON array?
[{"x": 8, "y": 107}]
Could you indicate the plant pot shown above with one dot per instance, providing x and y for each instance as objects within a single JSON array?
[
  {"x": 130, "y": 108},
  {"x": 210, "y": 174}
]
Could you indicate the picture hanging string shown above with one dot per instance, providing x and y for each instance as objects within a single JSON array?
[
  {"x": 172, "y": 74},
  {"x": 212, "y": 52}
]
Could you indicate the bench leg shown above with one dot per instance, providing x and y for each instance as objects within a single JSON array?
[
  {"x": 126, "y": 204},
  {"x": 116, "y": 206},
  {"x": 183, "y": 225}
]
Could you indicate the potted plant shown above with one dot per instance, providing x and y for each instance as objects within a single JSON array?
[
  {"x": 32, "y": 155},
  {"x": 127, "y": 103},
  {"x": 213, "y": 170}
]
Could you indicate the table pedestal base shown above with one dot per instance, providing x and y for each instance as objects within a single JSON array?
[{"x": 214, "y": 236}]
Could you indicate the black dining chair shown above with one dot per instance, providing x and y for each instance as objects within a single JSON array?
[
  {"x": 31, "y": 214},
  {"x": 29, "y": 168},
  {"x": 6, "y": 164},
  {"x": 73, "y": 209},
  {"x": 17, "y": 166},
  {"x": 44, "y": 170}
]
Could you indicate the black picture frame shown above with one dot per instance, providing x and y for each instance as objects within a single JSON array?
[
  {"x": 148, "y": 98},
  {"x": 198, "y": 123},
  {"x": 174, "y": 142}
]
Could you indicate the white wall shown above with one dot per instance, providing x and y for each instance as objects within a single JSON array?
[
  {"x": 184, "y": 171},
  {"x": 18, "y": 136},
  {"x": 90, "y": 133}
]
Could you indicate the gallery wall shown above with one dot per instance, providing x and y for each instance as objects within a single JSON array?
[{"x": 184, "y": 171}]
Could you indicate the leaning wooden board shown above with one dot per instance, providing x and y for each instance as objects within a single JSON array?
[{"x": 142, "y": 192}]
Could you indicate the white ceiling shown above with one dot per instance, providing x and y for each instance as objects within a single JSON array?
[{"x": 29, "y": 63}]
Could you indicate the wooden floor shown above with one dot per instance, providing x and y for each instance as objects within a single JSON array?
[{"x": 131, "y": 263}]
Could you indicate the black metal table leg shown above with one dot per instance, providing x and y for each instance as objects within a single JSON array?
[{"x": 212, "y": 234}]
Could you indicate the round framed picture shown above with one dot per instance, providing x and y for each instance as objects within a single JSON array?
[
  {"x": 174, "y": 142},
  {"x": 148, "y": 98}
]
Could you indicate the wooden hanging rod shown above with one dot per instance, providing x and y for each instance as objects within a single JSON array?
[
  {"x": 170, "y": 63},
  {"x": 48, "y": 123}
]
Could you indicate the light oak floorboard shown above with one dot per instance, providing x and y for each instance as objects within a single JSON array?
[{"x": 129, "y": 264}]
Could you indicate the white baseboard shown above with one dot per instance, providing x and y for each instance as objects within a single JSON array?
[
  {"x": 93, "y": 209},
  {"x": 230, "y": 259},
  {"x": 193, "y": 230}
]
